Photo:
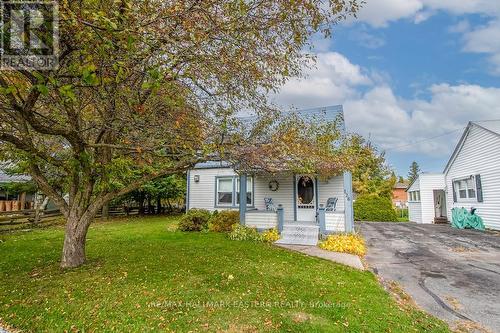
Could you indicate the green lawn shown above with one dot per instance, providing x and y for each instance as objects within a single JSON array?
[{"x": 142, "y": 275}]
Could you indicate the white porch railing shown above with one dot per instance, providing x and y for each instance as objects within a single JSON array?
[
  {"x": 335, "y": 222},
  {"x": 331, "y": 221},
  {"x": 261, "y": 219}
]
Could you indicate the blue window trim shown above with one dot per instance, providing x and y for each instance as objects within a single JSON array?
[
  {"x": 316, "y": 189},
  {"x": 234, "y": 204}
]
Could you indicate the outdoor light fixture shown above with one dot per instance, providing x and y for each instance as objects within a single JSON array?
[{"x": 196, "y": 178}]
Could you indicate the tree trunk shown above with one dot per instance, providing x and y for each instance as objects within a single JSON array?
[
  {"x": 40, "y": 207},
  {"x": 158, "y": 205},
  {"x": 105, "y": 211},
  {"x": 141, "y": 204},
  {"x": 150, "y": 206},
  {"x": 22, "y": 198},
  {"x": 73, "y": 254}
]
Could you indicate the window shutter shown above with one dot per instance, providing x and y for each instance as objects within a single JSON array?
[
  {"x": 479, "y": 189},
  {"x": 454, "y": 192}
]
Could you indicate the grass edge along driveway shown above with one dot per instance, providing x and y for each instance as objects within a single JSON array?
[{"x": 142, "y": 275}]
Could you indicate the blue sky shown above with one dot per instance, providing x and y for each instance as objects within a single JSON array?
[{"x": 410, "y": 74}]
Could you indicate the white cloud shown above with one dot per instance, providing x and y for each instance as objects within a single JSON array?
[
  {"x": 423, "y": 16},
  {"x": 333, "y": 78},
  {"x": 460, "y": 27},
  {"x": 379, "y": 13},
  {"x": 459, "y": 7},
  {"x": 392, "y": 122},
  {"x": 395, "y": 123},
  {"x": 485, "y": 39},
  {"x": 366, "y": 39}
]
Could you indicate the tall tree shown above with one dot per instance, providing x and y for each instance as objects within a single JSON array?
[
  {"x": 372, "y": 175},
  {"x": 414, "y": 171},
  {"x": 149, "y": 88}
]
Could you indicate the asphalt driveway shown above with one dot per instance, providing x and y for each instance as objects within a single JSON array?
[{"x": 452, "y": 274}]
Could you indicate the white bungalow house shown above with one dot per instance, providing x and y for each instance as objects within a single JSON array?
[
  {"x": 301, "y": 206},
  {"x": 471, "y": 179},
  {"x": 473, "y": 172}
]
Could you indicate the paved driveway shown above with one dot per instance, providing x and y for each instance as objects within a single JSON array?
[{"x": 453, "y": 274}]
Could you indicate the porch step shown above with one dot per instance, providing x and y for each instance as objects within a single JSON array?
[
  {"x": 299, "y": 234},
  {"x": 441, "y": 220}
]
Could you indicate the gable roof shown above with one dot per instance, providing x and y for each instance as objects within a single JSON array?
[
  {"x": 412, "y": 182},
  {"x": 328, "y": 113},
  {"x": 492, "y": 126},
  {"x": 5, "y": 178},
  {"x": 401, "y": 185},
  {"x": 212, "y": 165}
]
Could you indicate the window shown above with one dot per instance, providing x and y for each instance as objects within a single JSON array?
[
  {"x": 465, "y": 188},
  {"x": 414, "y": 196},
  {"x": 225, "y": 191},
  {"x": 249, "y": 191},
  {"x": 228, "y": 191}
]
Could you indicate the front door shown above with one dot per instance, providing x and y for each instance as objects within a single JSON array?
[{"x": 305, "y": 200}]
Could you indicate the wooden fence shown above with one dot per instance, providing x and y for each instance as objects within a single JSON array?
[{"x": 25, "y": 219}]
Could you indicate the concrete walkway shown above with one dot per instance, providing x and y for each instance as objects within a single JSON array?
[
  {"x": 452, "y": 274},
  {"x": 314, "y": 251}
]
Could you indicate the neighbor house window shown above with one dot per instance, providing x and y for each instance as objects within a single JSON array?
[
  {"x": 228, "y": 191},
  {"x": 225, "y": 190},
  {"x": 249, "y": 191},
  {"x": 465, "y": 188}
]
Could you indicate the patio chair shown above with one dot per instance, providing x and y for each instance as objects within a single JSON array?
[
  {"x": 270, "y": 204},
  {"x": 331, "y": 204}
]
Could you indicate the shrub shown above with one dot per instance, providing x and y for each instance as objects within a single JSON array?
[
  {"x": 345, "y": 243},
  {"x": 374, "y": 208},
  {"x": 224, "y": 221},
  {"x": 240, "y": 232},
  {"x": 194, "y": 220},
  {"x": 271, "y": 235}
]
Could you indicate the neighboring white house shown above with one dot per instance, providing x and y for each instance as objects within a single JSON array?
[
  {"x": 473, "y": 172},
  {"x": 471, "y": 179},
  {"x": 292, "y": 203},
  {"x": 427, "y": 199}
]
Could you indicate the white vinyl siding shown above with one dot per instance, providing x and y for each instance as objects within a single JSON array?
[
  {"x": 202, "y": 193},
  {"x": 332, "y": 188},
  {"x": 478, "y": 155},
  {"x": 283, "y": 196},
  {"x": 334, "y": 222},
  {"x": 415, "y": 212},
  {"x": 261, "y": 219}
]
